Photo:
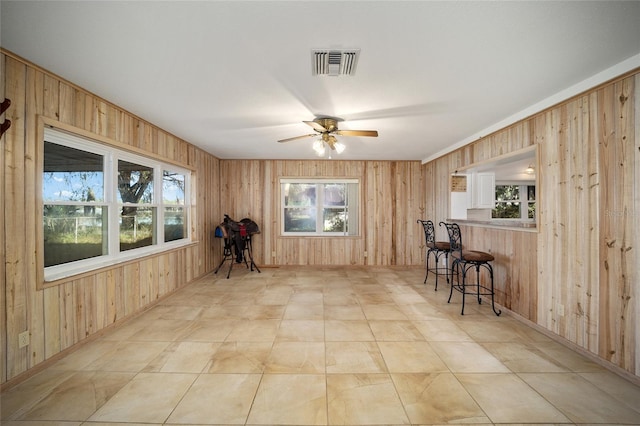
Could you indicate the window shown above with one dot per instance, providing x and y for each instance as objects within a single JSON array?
[
  {"x": 173, "y": 196},
  {"x": 137, "y": 221},
  {"x": 515, "y": 202},
  {"x": 102, "y": 205},
  {"x": 319, "y": 207},
  {"x": 75, "y": 214}
]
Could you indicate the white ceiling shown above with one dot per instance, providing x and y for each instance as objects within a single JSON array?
[{"x": 233, "y": 77}]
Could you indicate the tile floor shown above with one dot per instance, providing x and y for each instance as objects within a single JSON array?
[{"x": 301, "y": 346}]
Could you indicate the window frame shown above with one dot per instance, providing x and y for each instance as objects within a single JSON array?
[
  {"x": 523, "y": 200},
  {"x": 354, "y": 220},
  {"x": 112, "y": 152}
]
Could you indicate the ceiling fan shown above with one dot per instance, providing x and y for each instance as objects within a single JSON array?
[{"x": 327, "y": 127}]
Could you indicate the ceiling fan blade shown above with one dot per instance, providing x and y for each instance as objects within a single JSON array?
[
  {"x": 316, "y": 126},
  {"x": 373, "y": 133},
  {"x": 297, "y": 137}
]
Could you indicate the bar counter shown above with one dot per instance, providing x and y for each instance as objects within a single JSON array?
[{"x": 514, "y": 225}]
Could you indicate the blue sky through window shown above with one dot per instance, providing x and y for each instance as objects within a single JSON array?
[{"x": 73, "y": 186}]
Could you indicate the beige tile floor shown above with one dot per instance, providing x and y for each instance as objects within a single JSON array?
[{"x": 302, "y": 346}]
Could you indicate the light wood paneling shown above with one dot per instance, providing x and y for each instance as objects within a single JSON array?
[
  {"x": 635, "y": 226},
  {"x": 618, "y": 226},
  {"x": 582, "y": 260},
  {"x": 392, "y": 199},
  {"x": 3, "y": 252},
  {"x": 63, "y": 315},
  {"x": 515, "y": 260},
  {"x": 587, "y": 229},
  {"x": 16, "y": 294}
]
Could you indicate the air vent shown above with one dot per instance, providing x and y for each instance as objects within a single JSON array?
[{"x": 334, "y": 62}]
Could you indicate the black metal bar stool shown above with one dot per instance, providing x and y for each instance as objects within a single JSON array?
[
  {"x": 465, "y": 260},
  {"x": 437, "y": 248}
]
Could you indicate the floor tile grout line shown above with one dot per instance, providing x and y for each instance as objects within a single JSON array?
[
  {"x": 253, "y": 400},
  {"x": 387, "y": 287}
]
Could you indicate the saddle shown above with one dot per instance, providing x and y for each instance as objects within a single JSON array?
[{"x": 237, "y": 233}]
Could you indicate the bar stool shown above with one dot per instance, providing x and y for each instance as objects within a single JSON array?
[
  {"x": 437, "y": 248},
  {"x": 463, "y": 262}
]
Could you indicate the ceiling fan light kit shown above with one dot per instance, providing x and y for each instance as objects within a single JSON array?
[{"x": 318, "y": 147}]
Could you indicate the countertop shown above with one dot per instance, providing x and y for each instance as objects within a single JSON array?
[{"x": 514, "y": 225}]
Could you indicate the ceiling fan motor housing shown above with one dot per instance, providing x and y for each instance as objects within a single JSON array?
[
  {"x": 331, "y": 124},
  {"x": 329, "y": 139}
]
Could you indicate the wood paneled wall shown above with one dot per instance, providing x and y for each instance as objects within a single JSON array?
[
  {"x": 62, "y": 315},
  {"x": 584, "y": 259},
  {"x": 514, "y": 267},
  {"x": 392, "y": 200},
  {"x": 584, "y": 256}
]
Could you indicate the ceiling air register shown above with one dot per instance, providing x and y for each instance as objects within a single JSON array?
[{"x": 333, "y": 62}]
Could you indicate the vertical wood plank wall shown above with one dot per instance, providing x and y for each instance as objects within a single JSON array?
[
  {"x": 392, "y": 200},
  {"x": 584, "y": 258},
  {"x": 65, "y": 314}
]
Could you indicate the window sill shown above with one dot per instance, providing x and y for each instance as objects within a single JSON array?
[
  {"x": 320, "y": 236},
  {"x": 54, "y": 279}
]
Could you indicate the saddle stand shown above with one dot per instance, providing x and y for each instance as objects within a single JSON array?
[{"x": 237, "y": 246}]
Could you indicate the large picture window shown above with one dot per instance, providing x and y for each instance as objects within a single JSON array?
[
  {"x": 102, "y": 205},
  {"x": 319, "y": 207}
]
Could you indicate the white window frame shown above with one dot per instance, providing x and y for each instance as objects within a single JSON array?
[
  {"x": 353, "y": 204},
  {"x": 524, "y": 202},
  {"x": 112, "y": 205}
]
